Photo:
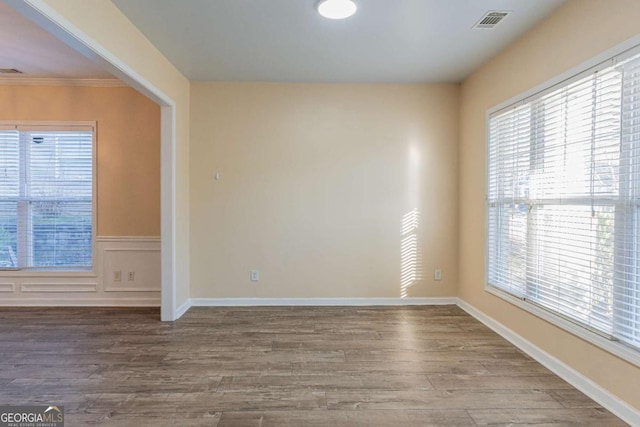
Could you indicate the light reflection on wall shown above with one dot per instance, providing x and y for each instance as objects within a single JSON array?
[{"x": 410, "y": 253}]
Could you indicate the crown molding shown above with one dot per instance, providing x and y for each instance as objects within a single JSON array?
[{"x": 56, "y": 81}]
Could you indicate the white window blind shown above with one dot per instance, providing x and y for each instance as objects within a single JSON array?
[
  {"x": 46, "y": 197},
  {"x": 563, "y": 199}
]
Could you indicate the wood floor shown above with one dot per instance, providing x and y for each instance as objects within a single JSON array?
[{"x": 280, "y": 366}]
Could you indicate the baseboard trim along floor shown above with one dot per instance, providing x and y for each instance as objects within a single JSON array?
[
  {"x": 620, "y": 408},
  {"x": 262, "y": 302}
]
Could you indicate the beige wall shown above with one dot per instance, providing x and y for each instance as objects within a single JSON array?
[
  {"x": 128, "y": 147},
  {"x": 315, "y": 182},
  {"x": 103, "y": 22},
  {"x": 579, "y": 30}
]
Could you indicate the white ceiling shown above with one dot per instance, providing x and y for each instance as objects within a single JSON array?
[
  {"x": 287, "y": 41},
  {"x": 29, "y": 48}
]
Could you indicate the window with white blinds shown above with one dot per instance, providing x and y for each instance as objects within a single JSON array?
[
  {"x": 46, "y": 197},
  {"x": 563, "y": 199}
]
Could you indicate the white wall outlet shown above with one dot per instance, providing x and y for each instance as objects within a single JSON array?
[
  {"x": 132, "y": 276},
  {"x": 255, "y": 275},
  {"x": 437, "y": 274},
  {"x": 117, "y": 276}
]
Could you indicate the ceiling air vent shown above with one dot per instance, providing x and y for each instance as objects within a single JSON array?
[
  {"x": 10, "y": 71},
  {"x": 491, "y": 19}
]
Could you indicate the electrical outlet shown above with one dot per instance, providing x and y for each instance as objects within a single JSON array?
[
  {"x": 437, "y": 275},
  {"x": 117, "y": 276},
  {"x": 255, "y": 275},
  {"x": 132, "y": 276}
]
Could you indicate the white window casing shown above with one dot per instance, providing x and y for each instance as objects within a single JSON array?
[
  {"x": 47, "y": 196},
  {"x": 563, "y": 203}
]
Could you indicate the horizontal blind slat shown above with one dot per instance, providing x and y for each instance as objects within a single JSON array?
[{"x": 46, "y": 192}]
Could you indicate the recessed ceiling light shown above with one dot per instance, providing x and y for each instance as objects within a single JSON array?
[{"x": 337, "y": 9}]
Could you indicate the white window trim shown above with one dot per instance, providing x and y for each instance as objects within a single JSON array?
[
  {"x": 65, "y": 272},
  {"x": 616, "y": 348}
]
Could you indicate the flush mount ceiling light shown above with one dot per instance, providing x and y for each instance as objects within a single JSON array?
[{"x": 337, "y": 9}]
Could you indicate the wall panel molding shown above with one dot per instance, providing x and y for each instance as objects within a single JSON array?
[
  {"x": 143, "y": 262},
  {"x": 90, "y": 288},
  {"x": 7, "y": 287},
  {"x": 48, "y": 287}
]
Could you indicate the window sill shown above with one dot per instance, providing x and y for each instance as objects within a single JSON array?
[
  {"x": 48, "y": 273},
  {"x": 614, "y": 347}
]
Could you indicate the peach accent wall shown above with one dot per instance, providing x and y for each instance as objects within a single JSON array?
[
  {"x": 128, "y": 147},
  {"x": 578, "y": 31},
  {"x": 103, "y": 22},
  {"x": 320, "y": 188}
]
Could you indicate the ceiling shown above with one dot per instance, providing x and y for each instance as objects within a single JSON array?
[
  {"x": 30, "y": 49},
  {"x": 287, "y": 41}
]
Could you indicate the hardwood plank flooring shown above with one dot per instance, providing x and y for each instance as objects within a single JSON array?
[{"x": 280, "y": 366}]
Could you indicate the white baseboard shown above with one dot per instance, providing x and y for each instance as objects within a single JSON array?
[
  {"x": 80, "y": 302},
  {"x": 183, "y": 309},
  {"x": 255, "y": 302},
  {"x": 617, "y": 406}
]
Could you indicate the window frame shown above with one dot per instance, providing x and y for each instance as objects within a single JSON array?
[
  {"x": 603, "y": 60},
  {"x": 66, "y": 271}
]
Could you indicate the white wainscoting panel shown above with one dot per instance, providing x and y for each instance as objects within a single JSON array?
[
  {"x": 142, "y": 264},
  {"x": 140, "y": 255},
  {"x": 7, "y": 287}
]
